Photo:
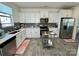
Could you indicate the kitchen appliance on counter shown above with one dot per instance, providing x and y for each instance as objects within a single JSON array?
[{"x": 1, "y": 33}]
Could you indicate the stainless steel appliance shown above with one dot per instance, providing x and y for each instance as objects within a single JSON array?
[
  {"x": 66, "y": 27},
  {"x": 43, "y": 20},
  {"x": 43, "y": 30},
  {"x": 44, "y": 26}
]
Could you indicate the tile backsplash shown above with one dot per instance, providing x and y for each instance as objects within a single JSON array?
[
  {"x": 38, "y": 24},
  {"x": 25, "y": 25}
]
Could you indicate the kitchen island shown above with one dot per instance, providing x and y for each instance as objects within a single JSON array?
[{"x": 11, "y": 41}]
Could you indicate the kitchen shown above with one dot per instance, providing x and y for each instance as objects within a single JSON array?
[{"x": 37, "y": 23}]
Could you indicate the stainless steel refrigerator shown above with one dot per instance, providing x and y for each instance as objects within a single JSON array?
[{"x": 66, "y": 27}]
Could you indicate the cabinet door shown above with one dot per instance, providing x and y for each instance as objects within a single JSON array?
[
  {"x": 22, "y": 17},
  {"x": 53, "y": 17},
  {"x": 34, "y": 17},
  {"x": 27, "y": 17},
  {"x": 18, "y": 39},
  {"x": 44, "y": 14},
  {"x": 24, "y": 33},
  {"x": 30, "y": 17},
  {"x": 35, "y": 33},
  {"x": 22, "y": 36},
  {"x": 69, "y": 13},
  {"x": 37, "y": 17},
  {"x": 28, "y": 32},
  {"x": 66, "y": 13}
]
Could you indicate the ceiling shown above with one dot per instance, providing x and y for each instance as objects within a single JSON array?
[{"x": 46, "y": 4}]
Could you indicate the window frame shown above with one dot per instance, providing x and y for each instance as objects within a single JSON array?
[{"x": 7, "y": 16}]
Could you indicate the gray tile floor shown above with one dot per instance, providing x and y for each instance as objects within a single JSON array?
[{"x": 61, "y": 48}]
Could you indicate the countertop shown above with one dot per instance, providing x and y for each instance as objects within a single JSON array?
[{"x": 8, "y": 36}]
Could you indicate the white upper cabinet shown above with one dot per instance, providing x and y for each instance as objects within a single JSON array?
[
  {"x": 30, "y": 17},
  {"x": 43, "y": 13},
  {"x": 22, "y": 17},
  {"x": 66, "y": 13},
  {"x": 53, "y": 17},
  {"x": 37, "y": 17},
  {"x": 27, "y": 17},
  {"x": 34, "y": 17}
]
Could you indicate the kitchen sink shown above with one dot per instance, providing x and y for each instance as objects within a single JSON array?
[{"x": 13, "y": 32}]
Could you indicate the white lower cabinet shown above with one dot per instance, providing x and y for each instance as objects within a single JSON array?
[
  {"x": 32, "y": 32},
  {"x": 28, "y": 32},
  {"x": 20, "y": 36},
  {"x": 35, "y": 33}
]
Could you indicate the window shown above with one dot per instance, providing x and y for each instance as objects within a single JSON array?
[
  {"x": 5, "y": 16},
  {"x": 5, "y": 20}
]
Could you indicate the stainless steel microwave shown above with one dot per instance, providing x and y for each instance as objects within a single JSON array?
[{"x": 44, "y": 20}]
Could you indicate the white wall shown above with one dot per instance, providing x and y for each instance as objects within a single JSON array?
[
  {"x": 15, "y": 11},
  {"x": 76, "y": 17}
]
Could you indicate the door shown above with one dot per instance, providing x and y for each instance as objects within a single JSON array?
[{"x": 66, "y": 28}]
